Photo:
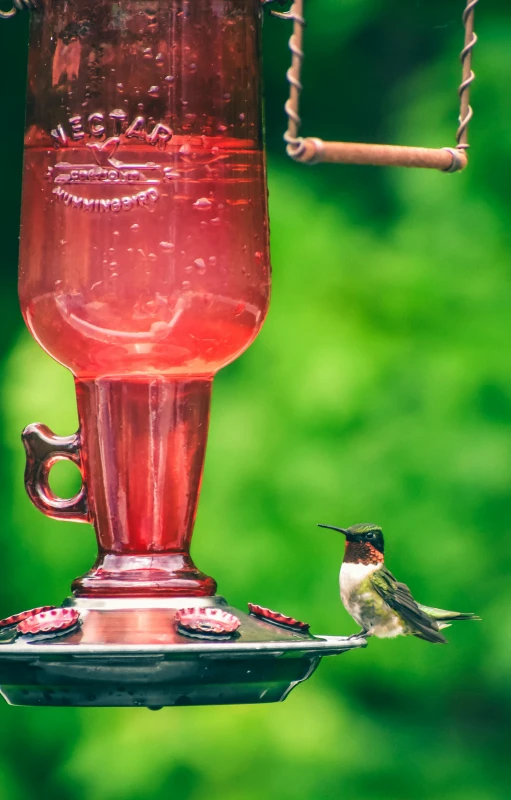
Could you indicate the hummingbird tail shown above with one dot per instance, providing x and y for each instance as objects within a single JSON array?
[{"x": 441, "y": 615}]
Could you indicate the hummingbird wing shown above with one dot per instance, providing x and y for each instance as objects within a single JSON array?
[{"x": 398, "y": 597}]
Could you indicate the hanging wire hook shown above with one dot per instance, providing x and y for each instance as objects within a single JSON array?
[{"x": 311, "y": 150}]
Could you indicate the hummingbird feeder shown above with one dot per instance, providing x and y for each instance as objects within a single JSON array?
[{"x": 144, "y": 269}]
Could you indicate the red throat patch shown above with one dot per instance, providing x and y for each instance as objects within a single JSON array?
[{"x": 362, "y": 553}]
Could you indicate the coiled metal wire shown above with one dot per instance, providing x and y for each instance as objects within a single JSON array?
[{"x": 466, "y": 111}]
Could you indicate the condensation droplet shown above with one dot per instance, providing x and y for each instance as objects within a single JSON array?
[
  {"x": 192, "y": 67},
  {"x": 147, "y": 52},
  {"x": 203, "y": 204},
  {"x": 201, "y": 265},
  {"x": 168, "y": 246},
  {"x": 170, "y": 78},
  {"x": 227, "y": 97},
  {"x": 120, "y": 87},
  {"x": 241, "y": 117},
  {"x": 186, "y": 284},
  {"x": 154, "y": 91},
  {"x": 116, "y": 233},
  {"x": 159, "y": 59},
  {"x": 215, "y": 221},
  {"x": 212, "y": 261},
  {"x": 135, "y": 226},
  {"x": 152, "y": 256}
]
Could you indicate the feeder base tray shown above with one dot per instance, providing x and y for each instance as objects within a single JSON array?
[{"x": 128, "y": 652}]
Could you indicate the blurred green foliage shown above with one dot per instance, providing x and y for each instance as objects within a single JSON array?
[{"x": 380, "y": 388}]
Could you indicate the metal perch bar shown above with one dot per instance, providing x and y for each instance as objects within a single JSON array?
[{"x": 311, "y": 150}]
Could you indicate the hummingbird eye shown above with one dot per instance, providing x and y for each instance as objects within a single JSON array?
[{"x": 370, "y": 535}]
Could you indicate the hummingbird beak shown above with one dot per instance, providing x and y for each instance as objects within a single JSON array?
[{"x": 332, "y": 528}]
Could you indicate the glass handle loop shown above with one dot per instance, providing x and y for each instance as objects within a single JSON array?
[
  {"x": 8, "y": 14},
  {"x": 20, "y": 5},
  {"x": 43, "y": 449}
]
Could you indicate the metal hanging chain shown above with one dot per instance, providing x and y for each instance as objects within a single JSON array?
[
  {"x": 20, "y": 5},
  {"x": 311, "y": 150}
]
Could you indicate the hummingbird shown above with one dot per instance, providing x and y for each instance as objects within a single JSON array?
[{"x": 376, "y": 600}]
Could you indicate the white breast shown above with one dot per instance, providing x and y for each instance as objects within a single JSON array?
[
  {"x": 365, "y": 606},
  {"x": 351, "y": 577}
]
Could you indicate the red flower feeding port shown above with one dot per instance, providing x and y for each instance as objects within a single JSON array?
[{"x": 144, "y": 269}]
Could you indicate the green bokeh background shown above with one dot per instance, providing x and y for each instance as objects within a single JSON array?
[{"x": 380, "y": 388}]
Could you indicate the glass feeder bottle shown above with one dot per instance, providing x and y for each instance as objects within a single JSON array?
[{"x": 144, "y": 262}]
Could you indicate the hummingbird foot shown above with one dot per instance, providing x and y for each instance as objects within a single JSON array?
[{"x": 361, "y": 634}]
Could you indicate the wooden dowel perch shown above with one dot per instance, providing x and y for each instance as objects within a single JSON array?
[{"x": 316, "y": 151}]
